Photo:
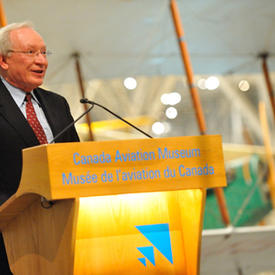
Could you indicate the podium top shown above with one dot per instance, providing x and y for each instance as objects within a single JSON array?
[{"x": 71, "y": 170}]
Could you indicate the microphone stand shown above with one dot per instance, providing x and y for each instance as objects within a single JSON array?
[{"x": 71, "y": 124}]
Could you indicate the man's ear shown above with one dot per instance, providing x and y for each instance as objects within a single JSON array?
[{"x": 3, "y": 64}]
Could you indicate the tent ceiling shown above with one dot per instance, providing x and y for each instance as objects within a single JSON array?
[{"x": 118, "y": 38}]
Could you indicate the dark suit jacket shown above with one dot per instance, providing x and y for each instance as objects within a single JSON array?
[{"x": 16, "y": 134}]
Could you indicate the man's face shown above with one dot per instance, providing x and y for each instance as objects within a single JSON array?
[{"x": 22, "y": 70}]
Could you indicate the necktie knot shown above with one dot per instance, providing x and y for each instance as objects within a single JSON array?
[{"x": 28, "y": 97}]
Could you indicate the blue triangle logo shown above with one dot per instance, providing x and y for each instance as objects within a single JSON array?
[
  {"x": 148, "y": 253},
  {"x": 143, "y": 261},
  {"x": 159, "y": 236}
]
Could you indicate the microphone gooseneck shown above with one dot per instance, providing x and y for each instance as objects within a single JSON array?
[
  {"x": 85, "y": 100},
  {"x": 71, "y": 124}
]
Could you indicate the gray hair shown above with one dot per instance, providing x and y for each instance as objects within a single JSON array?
[{"x": 5, "y": 42}]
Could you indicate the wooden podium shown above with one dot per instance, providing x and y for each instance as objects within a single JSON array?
[{"x": 119, "y": 207}]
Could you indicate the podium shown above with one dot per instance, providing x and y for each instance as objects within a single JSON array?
[{"x": 118, "y": 207}]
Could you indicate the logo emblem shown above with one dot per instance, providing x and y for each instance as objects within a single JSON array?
[{"x": 159, "y": 236}]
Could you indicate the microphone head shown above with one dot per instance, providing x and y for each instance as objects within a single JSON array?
[{"x": 84, "y": 100}]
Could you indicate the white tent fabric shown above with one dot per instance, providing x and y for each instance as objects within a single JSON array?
[{"x": 117, "y": 38}]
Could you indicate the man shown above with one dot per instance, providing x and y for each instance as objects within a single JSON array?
[{"x": 29, "y": 115}]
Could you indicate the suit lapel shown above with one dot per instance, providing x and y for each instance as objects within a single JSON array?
[{"x": 10, "y": 111}]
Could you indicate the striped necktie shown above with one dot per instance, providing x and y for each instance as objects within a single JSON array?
[{"x": 33, "y": 121}]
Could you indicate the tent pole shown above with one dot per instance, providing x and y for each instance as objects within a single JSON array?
[
  {"x": 268, "y": 151},
  {"x": 188, "y": 67},
  {"x": 264, "y": 57},
  {"x": 3, "y": 21},
  {"x": 195, "y": 97},
  {"x": 76, "y": 57}
]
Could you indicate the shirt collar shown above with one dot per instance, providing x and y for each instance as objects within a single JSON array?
[{"x": 17, "y": 94}]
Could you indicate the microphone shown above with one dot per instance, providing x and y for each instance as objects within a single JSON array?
[
  {"x": 85, "y": 100},
  {"x": 71, "y": 124}
]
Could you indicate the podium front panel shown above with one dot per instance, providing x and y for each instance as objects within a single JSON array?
[{"x": 146, "y": 233}]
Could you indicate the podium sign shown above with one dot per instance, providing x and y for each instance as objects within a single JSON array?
[
  {"x": 120, "y": 207},
  {"x": 72, "y": 170}
]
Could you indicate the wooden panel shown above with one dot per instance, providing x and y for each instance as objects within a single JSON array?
[
  {"x": 14, "y": 206},
  {"x": 107, "y": 237},
  {"x": 131, "y": 166},
  {"x": 35, "y": 173},
  {"x": 192, "y": 204},
  {"x": 41, "y": 241}
]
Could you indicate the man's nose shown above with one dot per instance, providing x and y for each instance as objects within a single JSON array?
[{"x": 41, "y": 58}]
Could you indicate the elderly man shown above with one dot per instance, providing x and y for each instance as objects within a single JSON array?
[{"x": 29, "y": 115}]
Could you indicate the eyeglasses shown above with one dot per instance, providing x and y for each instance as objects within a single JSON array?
[{"x": 32, "y": 53}]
